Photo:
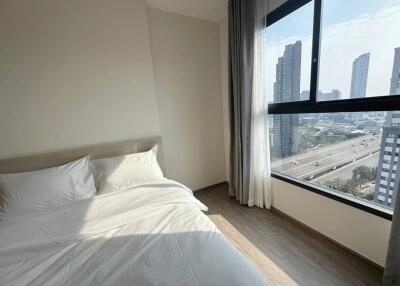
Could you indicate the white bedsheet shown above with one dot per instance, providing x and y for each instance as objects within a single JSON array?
[{"x": 154, "y": 234}]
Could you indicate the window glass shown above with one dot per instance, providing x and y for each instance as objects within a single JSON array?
[
  {"x": 289, "y": 43},
  {"x": 356, "y": 154},
  {"x": 360, "y": 49}
]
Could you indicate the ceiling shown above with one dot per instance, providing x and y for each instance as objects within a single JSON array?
[{"x": 212, "y": 10}]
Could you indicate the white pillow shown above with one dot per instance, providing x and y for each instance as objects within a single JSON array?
[
  {"x": 41, "y": 189},
  {"x": 116, "y": 173}
]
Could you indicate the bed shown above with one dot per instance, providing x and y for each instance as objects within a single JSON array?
[{"x": 153, "y": 233}]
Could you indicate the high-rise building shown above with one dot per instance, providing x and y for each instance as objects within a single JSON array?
[
  {"x": 288, "y": 70},
  {"x": 359, "y": 78},
  {"x": 395, "y": 81},
  {"x": 388, "y": 170},
  {"x": 287, "y": 89}
]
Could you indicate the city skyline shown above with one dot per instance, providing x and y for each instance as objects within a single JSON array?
[
  {"x": 285, "y": 128},
  {"x": 346, "y": 34}
]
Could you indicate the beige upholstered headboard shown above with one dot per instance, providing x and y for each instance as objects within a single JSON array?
[{"x": 48, "y": 160}]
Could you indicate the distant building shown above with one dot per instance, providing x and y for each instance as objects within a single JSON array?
[
  {"x": 359, "y": 78},
  {"x": 388, "y": 170},
  {"x": 395, "y": 81},
  {"x": 308, "y": 120},
  {"x": 305, "y": 95},
  {"x": 287, "y": 89},
  {"x": 335, "y": 94}
]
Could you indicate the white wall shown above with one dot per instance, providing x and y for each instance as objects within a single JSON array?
[
  {"x": 81, "y": 72},
  {"x": 73, "y": 73},
  {"x": 360, "y": 231},
  {"x": 187, "y": 71}
]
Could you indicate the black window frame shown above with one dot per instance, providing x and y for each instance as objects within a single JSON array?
[{"x": 366, "y": 104}]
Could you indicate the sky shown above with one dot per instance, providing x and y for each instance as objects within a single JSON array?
[{"x": 349, "y": 29}]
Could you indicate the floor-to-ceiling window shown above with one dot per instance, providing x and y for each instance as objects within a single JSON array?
[{"x": 333, "y": 89}]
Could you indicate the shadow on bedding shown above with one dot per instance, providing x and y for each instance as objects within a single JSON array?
[
  {"x": 120, "y": 258},
  {"x": 124, "y": 238}
]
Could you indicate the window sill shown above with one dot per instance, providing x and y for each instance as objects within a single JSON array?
[{"x": 343, "y": 198}]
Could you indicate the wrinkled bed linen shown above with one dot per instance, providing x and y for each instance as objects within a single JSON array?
[{"x": 153, "y": 234}]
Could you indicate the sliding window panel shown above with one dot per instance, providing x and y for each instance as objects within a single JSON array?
[
  {"x": 289, "y": 48},
  {"x": 360, "y": 49}
]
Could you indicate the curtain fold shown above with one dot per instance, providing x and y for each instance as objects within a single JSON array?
[
  {"x": 391, "y": 276},
  {"x": 260, "y": 173},
  {"x": 249, "y": 155}
]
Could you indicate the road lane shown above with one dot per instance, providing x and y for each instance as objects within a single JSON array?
[
  {"x": 346, "y": 172},
  {"x": 327, "y": 156}
]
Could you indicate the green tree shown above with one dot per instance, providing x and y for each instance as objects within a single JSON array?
[
  {"x": 364, "y": 173},
  {"x": 369, "y": 196}
]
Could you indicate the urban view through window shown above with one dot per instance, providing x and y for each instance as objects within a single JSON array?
[{"x": 355, "y": 153}]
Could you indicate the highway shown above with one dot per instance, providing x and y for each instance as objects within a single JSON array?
[
  {"x": 346, "y": 172},
  {"x": 317, "y": 162}
]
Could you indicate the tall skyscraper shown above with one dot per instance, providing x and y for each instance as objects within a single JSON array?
[
  {"x": 388, "y": 170},
  {"x": 395, "y": 81},
  {"x": 286, "y": 89},
  {"x": 359, "y": 78}
]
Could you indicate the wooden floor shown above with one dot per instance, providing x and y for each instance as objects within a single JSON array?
[{"x": 285, "y": 251}]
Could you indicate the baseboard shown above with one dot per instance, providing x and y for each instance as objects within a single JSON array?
[{"x": 310, "y": 229}]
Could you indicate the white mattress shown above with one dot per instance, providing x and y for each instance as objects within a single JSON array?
[{"x": 153, "y": 234}]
